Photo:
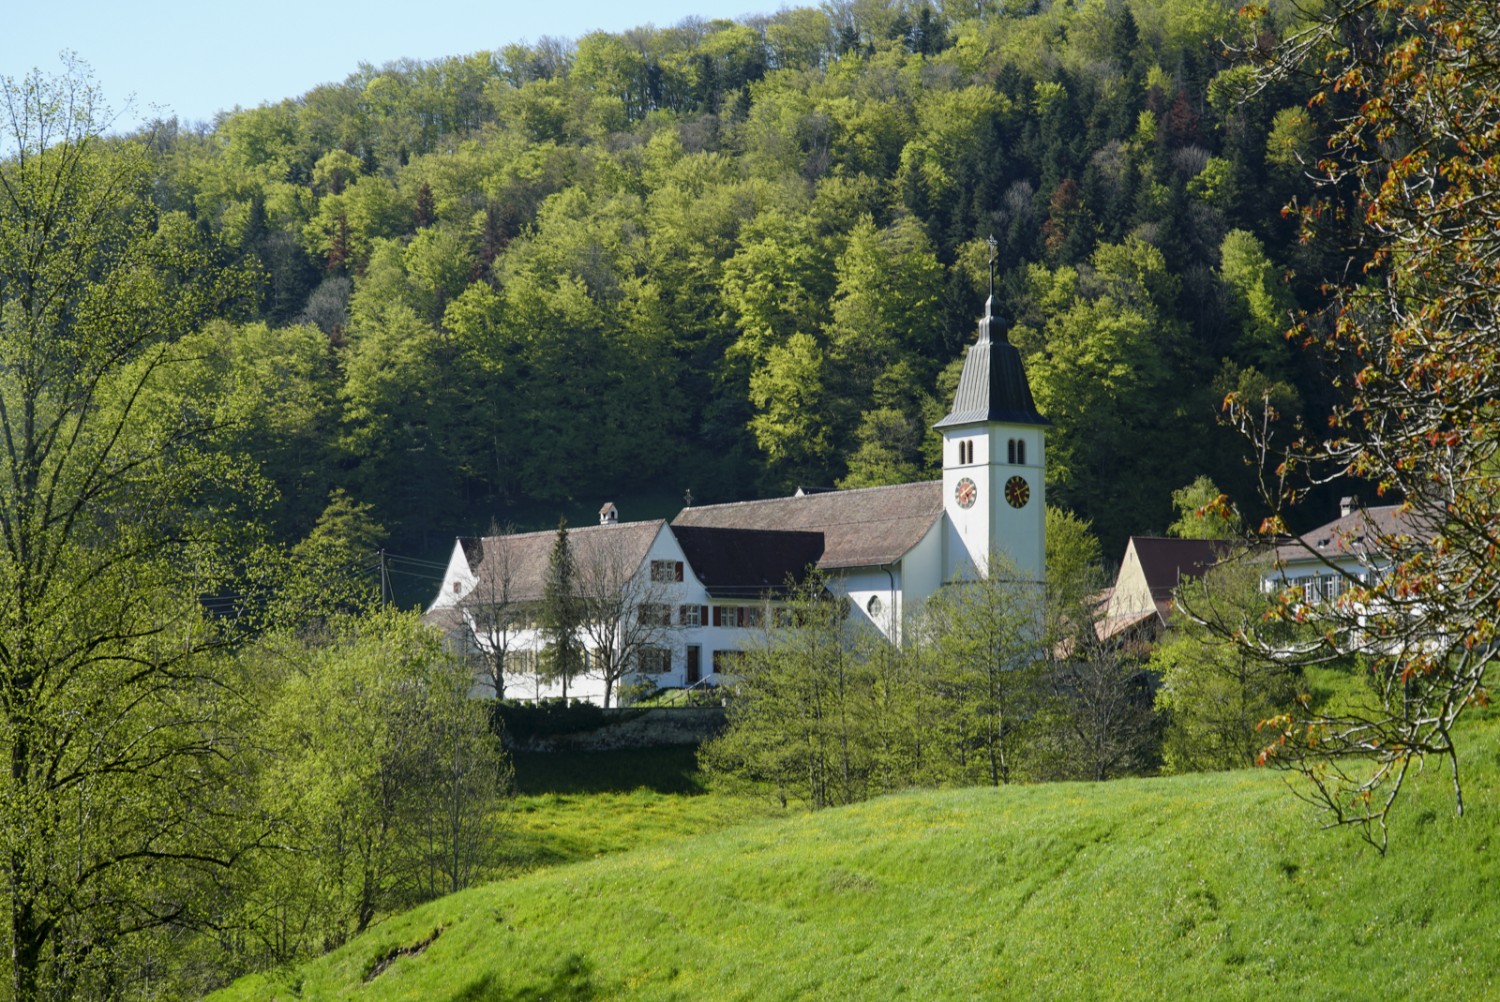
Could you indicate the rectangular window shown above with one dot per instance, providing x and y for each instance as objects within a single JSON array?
[
  {"x": 719, "y": 616},
  {"x": 690, "y": 615},
  {"x": 654, "y": 614},
  {"x": 654, "y": 661},
  {"x": 666, "y": 570}
]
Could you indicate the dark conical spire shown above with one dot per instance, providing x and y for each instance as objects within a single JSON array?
[{"x": 993, "y": 384}]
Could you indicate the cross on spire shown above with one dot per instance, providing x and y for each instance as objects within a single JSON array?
[{"x": 994, "y": 253}]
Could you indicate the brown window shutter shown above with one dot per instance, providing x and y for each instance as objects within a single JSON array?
[
  {"x": 679, "y": 570},
  {"x": 704, "y": 617}
]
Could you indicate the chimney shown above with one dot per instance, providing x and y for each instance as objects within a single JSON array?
[
  {"x": 609, "y": 514},
  {"x": 1346, "y": 507}
]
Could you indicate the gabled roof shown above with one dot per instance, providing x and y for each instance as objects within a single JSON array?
[
  {"x": 1113, "y": 626},
  {"x": 1166, "y": 561},
  {"x": 865, "y": 527},
  {"x": 992, "y": 386},
  {"x": 517, "y": 564},
  {"x": 748, "y": 563},
  {"x": 1349, "y": 535}
]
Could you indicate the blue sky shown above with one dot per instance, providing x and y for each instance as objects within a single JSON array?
[{"x": 197, "y": 58}]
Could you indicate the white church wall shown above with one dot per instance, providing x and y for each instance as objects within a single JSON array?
[
  {"x": 874, "y": 595},
  {"x": 922, "y": 570}
]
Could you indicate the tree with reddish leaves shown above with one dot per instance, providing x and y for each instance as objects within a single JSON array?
[
  {"x": 1414, "y": 337},
  {"x": 1067, "y": 231}
]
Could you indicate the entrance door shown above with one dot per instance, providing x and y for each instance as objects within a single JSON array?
[{"x": 694, "y": 664}]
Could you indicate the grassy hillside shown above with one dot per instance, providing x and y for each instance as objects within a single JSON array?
[
  {"x": 1197, "y": 887},
  {"x": 574, "y": 806}
]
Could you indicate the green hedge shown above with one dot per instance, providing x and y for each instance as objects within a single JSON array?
[{"x": 546, "y": 718}]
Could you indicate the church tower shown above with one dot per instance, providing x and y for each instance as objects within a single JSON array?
[{"x": 994, "y": 456}]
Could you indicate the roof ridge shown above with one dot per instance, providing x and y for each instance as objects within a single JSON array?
[
  {"x": 838, "y": 492},
  {"x": 658, "y": 522}
]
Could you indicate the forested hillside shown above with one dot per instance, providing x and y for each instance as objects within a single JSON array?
[{"x": 733, "y": 257}]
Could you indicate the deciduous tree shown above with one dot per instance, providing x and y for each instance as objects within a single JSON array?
[
  {"x": 115, "y": 725},
  {"x": 799, "y": 702},
  {"x": 628, "y": 615},
  {"x": 984, "y": 647},
  {"x": 1414, "y": 339}
]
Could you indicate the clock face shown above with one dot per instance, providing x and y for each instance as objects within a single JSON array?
[
  {"x": 966, "y": 493},
  {"x": 1017, "y": 492}
]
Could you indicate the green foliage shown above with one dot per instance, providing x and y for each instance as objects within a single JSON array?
[
  {"x": 334, "y": 569},
  {"x": 1100, "y": 366},
  {"x": 547, "y": 717},
  {"x": 980, "y": 642},
  {"x": 1075, "y": 574},
  {"x": 889, "y": 450},
  {"x": 561, "y": 615},
  {"x": 824, "y": 711},
  {"x": 117, "y": 513},
  {"x": 383, "y": 775},
  {"x": 1268, "y": 309},
  {"x": 1290, "y": 143},
  {"x": 799, "y": 720},
  {"x": 1215, "y": 692},
  {"x": 1204, "y": 513},
  {"x": 752, "y": 232},
  {"x": 791, "y": 423}
]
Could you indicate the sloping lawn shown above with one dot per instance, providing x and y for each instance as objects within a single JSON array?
[{"x": 1199, "y": 887}]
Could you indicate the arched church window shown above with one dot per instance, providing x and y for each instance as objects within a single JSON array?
[
  {"x": 1021, "y": 452},
  {"x": 1010, "y": 451}
]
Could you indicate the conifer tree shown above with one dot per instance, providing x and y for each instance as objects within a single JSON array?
[{"x": 561, "y": 614}]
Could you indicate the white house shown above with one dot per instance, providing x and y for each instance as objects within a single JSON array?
[
  {"x": 1325, "y": 561},
  {"x": 714, "y": 568}
]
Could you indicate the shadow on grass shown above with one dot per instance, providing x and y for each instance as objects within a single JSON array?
[
  {"x": 571, "y": 982},
  {"x": 664, "y": 770}
]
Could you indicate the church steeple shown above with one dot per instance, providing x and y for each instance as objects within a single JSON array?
[
  {"x": 993, "y": 384},
  {"x": 994, "y": 462}
]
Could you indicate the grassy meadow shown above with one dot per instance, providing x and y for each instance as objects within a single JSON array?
[
  {"x": 1215, "y": 886},
  {"x": 575, "y": 806}
]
